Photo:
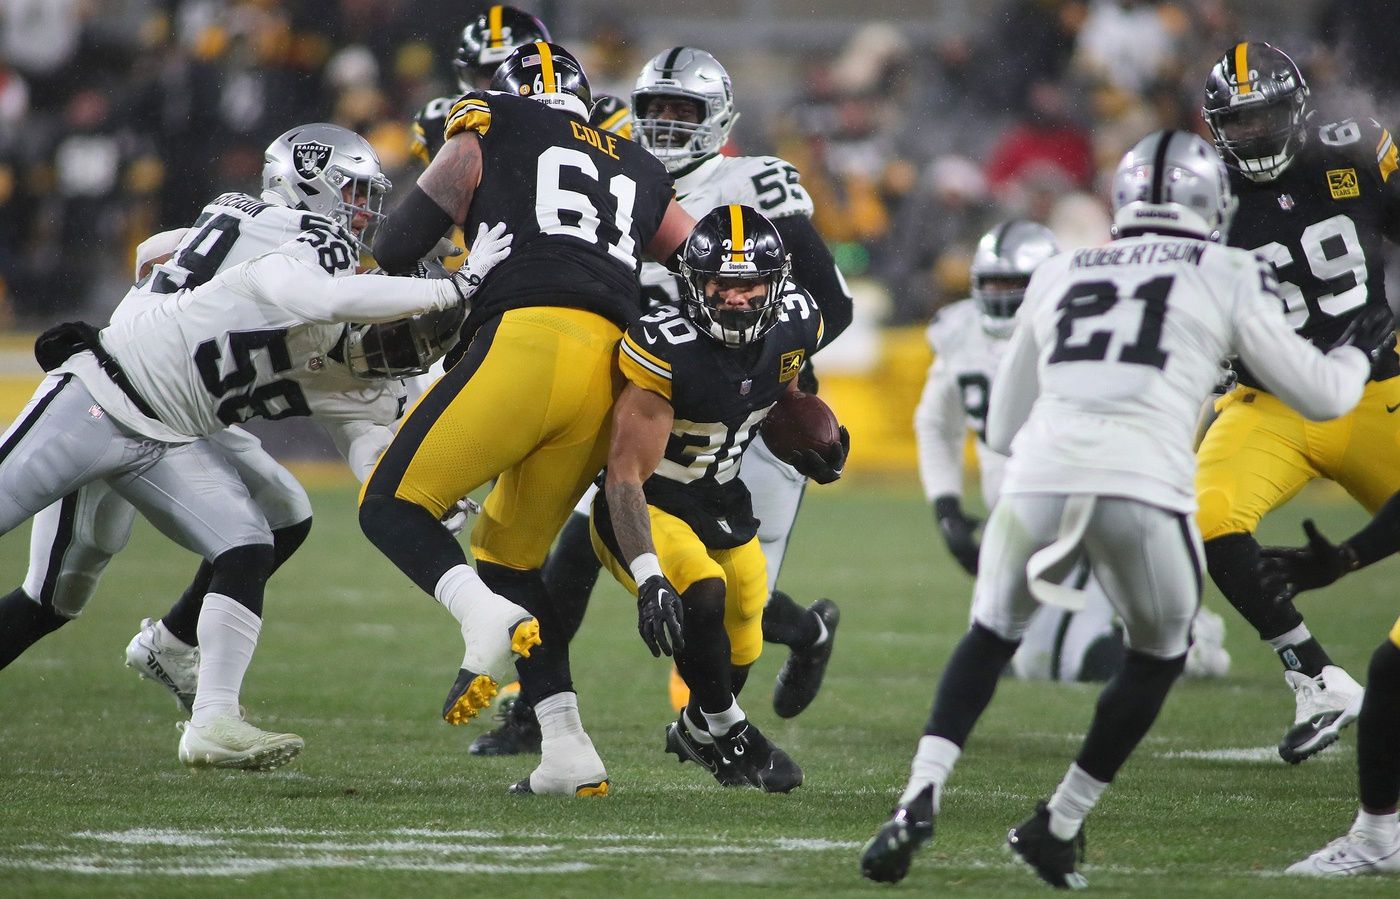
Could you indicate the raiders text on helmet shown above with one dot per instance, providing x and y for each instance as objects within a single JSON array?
[
  {"x": 548, "y": 73},
  {"x": 1002, "y": 266},
  {"x": 1255, "y": 105},
  {"x": 1172, "y": 181},
  {"x": 328, "y": 170},
  {"x": 688, "y": 74},
  {"x": 733, "y": 245},
  {"x": 489, "y": 39}
]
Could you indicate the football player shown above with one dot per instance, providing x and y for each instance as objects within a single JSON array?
[
  {"x": 356, "y": 395},
  {"x": 968, "y": 339},
  {"x": 582, "y": 205},
  {"x": 683, "y": 110},
  {"x": 1372, "y": 846},
  {"x": 675, "y": 524},
  {"x": 1115, "y": 349},
  {"x": 1317, "y": 199},
  {"x": 486, "y": 42},
  {"x": 611, "y": 113},
  {"x": 129, "y": 406}
]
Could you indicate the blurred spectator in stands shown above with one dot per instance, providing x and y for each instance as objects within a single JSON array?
[
  {"x": 40, "y": 38},
  {"x": 1050, "y": 137},
  {"x": 1033, "y": 42}
]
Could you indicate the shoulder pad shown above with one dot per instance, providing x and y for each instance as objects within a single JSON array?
[
  {"x": 471, "y": 112},
  {"x": 769, "y": 184},
  {"x": 949, "y": 323}
]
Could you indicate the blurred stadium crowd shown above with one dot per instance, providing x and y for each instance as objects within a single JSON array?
[{"x": 119, "y": 118}]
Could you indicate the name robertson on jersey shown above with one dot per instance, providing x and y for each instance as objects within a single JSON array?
[
  {"x": 1143, "y": 254},
  {"x": 241, "y": 201}
]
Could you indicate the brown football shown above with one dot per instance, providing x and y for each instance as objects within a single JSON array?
[{"x": 800, "y": 421}]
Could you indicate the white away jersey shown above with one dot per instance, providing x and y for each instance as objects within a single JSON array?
[
  {"x": 955, "y": 400},
  {"x": 767, "y": 183},
  {"x": 1116, "y": 347}
]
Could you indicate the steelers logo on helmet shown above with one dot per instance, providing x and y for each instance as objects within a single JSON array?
[
  {"x": 489, "y": 39},
  {"x": 1255, "y": 105},
  {"x": 734, "y": 271},
  {"x": 546, "y": 73}
]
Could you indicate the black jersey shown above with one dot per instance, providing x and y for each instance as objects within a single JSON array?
[
  {"x": 1321, "y": 223},
  {"x": 720, "y": 396},
  {"x": 580, "y": 203},
  {"x": 429, "y": 123}
]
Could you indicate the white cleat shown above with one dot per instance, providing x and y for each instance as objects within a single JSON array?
[
  {"x": 177, "y": 670},
  {"x": 1326, "y": 704},
  {"x": 1347, "y": 856},
  {"x": 569, "y": 766},
  {"x": 231, "y": 742},
  {"x": 1207, "y": 657},
  {"x": 496, "y": 633}
]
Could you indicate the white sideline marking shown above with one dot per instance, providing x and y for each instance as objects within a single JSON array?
[
  {"x": 239, "y": 853},
  {"x": 1256, "y": 754}
]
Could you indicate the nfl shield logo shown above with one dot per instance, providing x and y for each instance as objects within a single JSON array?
[
  {"x": 744, "y": 386},
  {"x": 310, "y": 158},
  {"x": 1285, "y": 202}
]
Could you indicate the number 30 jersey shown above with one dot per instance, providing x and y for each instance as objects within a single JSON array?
[
  {"x": 1114, "y": 350},
  {"x": 719, "y": 397},
  {"x": 1321, "y": 223},
  {"x": 581, "y": 203}
]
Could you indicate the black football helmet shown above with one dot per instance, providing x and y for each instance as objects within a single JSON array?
[
  {"x": 488, "y": 40},
  {"x": 1256, "y": 103},
  {"x": 733, "y": 246},
  {"x": 548, "y": 73}
]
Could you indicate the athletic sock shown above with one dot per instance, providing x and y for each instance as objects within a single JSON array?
[
  {"x": 1074, "y": 798},
  {"x": 697, "y": 733},
  {"x": 166, "y": 639},
  {"x": 1298, "y": 650},
  {"x": 933, "y": 763},
  {"x": 558, "y": 716},
  {"x": 460, "y": 591},
  {"x": 1379, "y": 830},
  {"x": 720, "y": 723},
  {"x": 228, "y": 634}
]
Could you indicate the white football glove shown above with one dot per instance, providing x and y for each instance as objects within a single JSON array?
[
  {"x": 491, "y": 247},
  {"x": 455, "y": 519}
]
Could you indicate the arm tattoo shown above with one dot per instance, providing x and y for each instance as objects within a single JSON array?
[
  {"x": 452, "y": 177},
  {"x": 627, "y": 505}
]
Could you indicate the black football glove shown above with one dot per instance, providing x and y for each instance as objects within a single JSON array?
[
  {"x": 1285, "y": 572},
  {"x": 1372, "y": 331},
  {"x": 959, "y": 531},
  {"x": 826, "y": 466},
  {"x": 659, "y": 616}
]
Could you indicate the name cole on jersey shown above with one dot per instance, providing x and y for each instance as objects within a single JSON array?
[
  {"x": 580, "y": 203},
  {"x": 720, "y": 396},
  {"x": 767, "y": 183},
  {"x": 1321, "y": 224}
]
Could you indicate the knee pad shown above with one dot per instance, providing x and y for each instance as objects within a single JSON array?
[{"x": 704, "y": 603}]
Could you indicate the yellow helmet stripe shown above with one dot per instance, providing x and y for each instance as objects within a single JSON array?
[
  {"x": 493, "y": 20},
  {"x": 736, "y": 233},
  {"x": 1242, "y": 66},
  {"x": 546, "y": 67}
]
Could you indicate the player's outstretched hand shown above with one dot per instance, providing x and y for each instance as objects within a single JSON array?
[
  {"x": 1372, "y": 331},
  {"x": 826, "y": 466},
  {"x": 1287, "y": 571},
  {"x": 959, "y": 531},
  {"x": 489, "y": 249},
  {"x": 659, "y": 616}
]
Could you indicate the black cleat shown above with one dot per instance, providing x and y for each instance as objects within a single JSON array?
[
  {"x": 801, "y": 675},
  {"x": 1052, "y": 859},
  {"x": 686, "y": 748},
  {"x": 1307, "y": 738},
  {"x": 887, "y": 856},
  {"x": 746, "y": 752},
  {"x": 518, "y": 733}
]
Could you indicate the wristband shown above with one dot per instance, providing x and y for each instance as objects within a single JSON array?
[{"x": 645, "y": 566}]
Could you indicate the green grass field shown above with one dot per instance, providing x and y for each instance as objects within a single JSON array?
[{"x": 385, "y": 799}]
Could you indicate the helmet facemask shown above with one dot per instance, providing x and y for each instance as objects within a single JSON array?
[
  {"x": 402, "y": 348},
  {"x": 734, "y": 327},
  {"x": 998, "y": 296},
  {"x": 330, "y": 171},
  {"x": 1259, "y": 139},
  {"x": 685, "y": 74}
]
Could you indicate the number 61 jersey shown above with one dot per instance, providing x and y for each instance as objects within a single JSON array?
[
  {"x": 1115, "y": 347},
  {"x": 1321, "y": 224},
  {"x": 581, "y": 203},
  {"x": 719, "y": 397}
]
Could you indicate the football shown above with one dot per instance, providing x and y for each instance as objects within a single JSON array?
[{"x": 800, "y": 421}]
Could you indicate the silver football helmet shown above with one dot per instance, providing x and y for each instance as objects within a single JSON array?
[
  {"x": 401, "y": 348},
  {"x": 1006, "y": 257},
  {"x": 1173, "y": 181},
  {"x": 328, "y": 170},
  {"x": 690, "y": 74}
]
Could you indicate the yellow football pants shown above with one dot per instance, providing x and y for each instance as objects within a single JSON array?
[
  {"x": 530, "y": 405},
  {"x": 686, "y": 561},
  {"x": 1259, "y": 453}
]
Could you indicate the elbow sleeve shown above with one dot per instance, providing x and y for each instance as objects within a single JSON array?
[{"x": 409, "y": 232}]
